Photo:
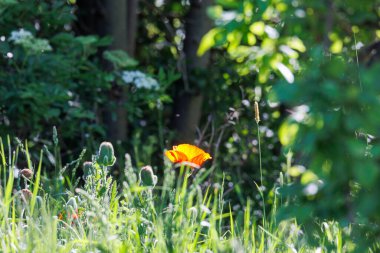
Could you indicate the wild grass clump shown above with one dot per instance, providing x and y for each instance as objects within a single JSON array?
[{"x": 140, "y": 213}]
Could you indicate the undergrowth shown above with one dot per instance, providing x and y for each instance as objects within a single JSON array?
[{"x": 141, "y": 213}]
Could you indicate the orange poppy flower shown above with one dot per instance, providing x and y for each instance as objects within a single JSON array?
[
  {"x": 186, "y": 153},
  {"x": 69, "y": 215}
]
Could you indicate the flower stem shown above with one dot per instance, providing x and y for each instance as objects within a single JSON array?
[{"x": 261, "y": 169}]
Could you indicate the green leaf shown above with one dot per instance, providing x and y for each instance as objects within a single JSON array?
[
  {"x": 296, "y": 170},
  {"x": 120, "y": 59},
  {"x": 87, "y": 40},
  {"x": 296, "y": 44},
  {"x": 215, "y": 12},
  {"x": 366, "y": 173},
  {"x": 7, "y": 2},
  {"x": 257, "y": 28},
  {"x": 208, "y": 41},
  {"x": 287, "y": 133},
  {"x": 336, "y": 47},
  {"x": 229, "y": 3}
]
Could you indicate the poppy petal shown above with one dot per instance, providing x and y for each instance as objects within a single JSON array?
[
  {"x": 201, "y": 158},
  {"x": 176, "y": 156},
  {"x": 187, "y": 153},
  {"x": 191, "y": 151}
]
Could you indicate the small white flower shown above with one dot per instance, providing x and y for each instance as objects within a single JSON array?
[
  {"x": 205, "y": 209},
  {"x": 300, "y": 13},
  {"x": 292, "y": 248},
  {"x": 26, "y": 39},
  {"x": 193, "y": 212},
  {"x": 205, "y": 223},
  {"x": 262, "y": 188},
  {"x": 141, "y": 80},
  {"x": 311, "y": 189},
  {"x": 246, "y": 103},
  {"x": 271, "y": 32},
  {"x": 20, "y": 35},
  {"x": 300, "y": 113},
  {"x": 269, "y": 133},
  {"x": 16, "y": 172}
]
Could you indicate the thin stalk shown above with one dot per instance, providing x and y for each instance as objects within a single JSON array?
[
  {"x": 161, "y": 129},
  {"x": 261, "y": 169},
  {"x": 357, "y": 64}
]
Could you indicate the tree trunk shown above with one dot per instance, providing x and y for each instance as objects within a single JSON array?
[
  {"x": 132, "y": 7},
  {"x": 118, "y": 19},
  {"x": 189, "y": 98},
  {"x": 123, "y": 28},
  {"x": 116, "y": 25}
]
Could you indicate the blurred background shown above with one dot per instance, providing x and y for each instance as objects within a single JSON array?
[{"x": 147, "y": 75}]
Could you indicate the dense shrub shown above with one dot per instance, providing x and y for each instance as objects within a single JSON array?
[{"x": 48, "y": 75}]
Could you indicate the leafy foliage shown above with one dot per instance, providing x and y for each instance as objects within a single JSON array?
[
  {"x": 249, "y": 30},
  {"x": 330, "y": 132},
  {"x": 310, "y": 65},
  {"x": 48, "y": 75},
  {"x": 335, "y": 137}
]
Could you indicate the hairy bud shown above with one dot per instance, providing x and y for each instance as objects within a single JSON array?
[
  {"x": 88, "y": 169},
  {"x": 147, "y": 177},
  {"x": 106, "y": 155}
]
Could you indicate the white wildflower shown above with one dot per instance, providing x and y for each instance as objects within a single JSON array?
[
  {"x": 299, "y": 113},
  {"x": 311, "y": 189},
  {"x": 26, "y": 39},
  {"x": 246, "y": 103},
  {"x": 205, "y": 223},
  {"x": 21, "y": 35},
  {"x": 140, "y": 79},
  {"x": 271, "y": 32},
  {"x": 205, "y": 209},
  {"x": 40, "y": 45}
]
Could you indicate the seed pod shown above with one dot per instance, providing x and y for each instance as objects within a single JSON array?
[
  {"x": 106, "y": 155},
  {"x": 257, "y": 112},
  {"x": 27, "y": 194},
  {"x": 88, "y": 169},
  {"x": 27, "y": 173},
  {"x": 147, "y": 178}
]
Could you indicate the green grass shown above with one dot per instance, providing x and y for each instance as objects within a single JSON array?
[{"x": 179, "y": 214}]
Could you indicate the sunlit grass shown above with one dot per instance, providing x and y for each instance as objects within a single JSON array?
[{"x": 179, "y": 214}]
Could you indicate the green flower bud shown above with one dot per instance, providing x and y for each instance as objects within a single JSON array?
[
  {"x": 88, "y": 169},
  {"x": 147, "y": 178},
  {"x": 106, "y": 155}
]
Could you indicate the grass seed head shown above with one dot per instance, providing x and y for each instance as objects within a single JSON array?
[{"x": 257, "y": 112}]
